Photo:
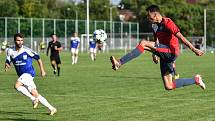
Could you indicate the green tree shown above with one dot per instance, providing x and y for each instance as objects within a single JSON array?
[{"x": 9, "y": 8}]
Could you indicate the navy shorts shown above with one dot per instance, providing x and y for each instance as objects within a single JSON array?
[
  {"x": 166, "y": 58},
  {"x": 55, "y": 58}
]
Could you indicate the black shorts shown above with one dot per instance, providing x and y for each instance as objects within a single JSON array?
[
  {"x": 56, "y": 58},
  {"x": 166, "y": 59}
]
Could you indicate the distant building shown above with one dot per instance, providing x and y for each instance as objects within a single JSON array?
[{"x": 126, "y": 15}]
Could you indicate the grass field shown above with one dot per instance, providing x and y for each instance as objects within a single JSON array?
[{"x": 91, "y": 91}]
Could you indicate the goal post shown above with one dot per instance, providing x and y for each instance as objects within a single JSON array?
[{"x": 84, "y": 42}]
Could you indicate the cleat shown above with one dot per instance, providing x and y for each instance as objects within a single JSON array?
[
  {"x": 55, "y": 72},
  {"x": 115, "y": 63},
  {"x": 35, "y": 103},
  {"x": 199, "y": 81},
  {"x": 176, "y": 76},
  {"x": 53, "y": 111}
]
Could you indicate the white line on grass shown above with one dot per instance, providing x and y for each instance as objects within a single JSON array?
[{"x": 125, "y": 97}]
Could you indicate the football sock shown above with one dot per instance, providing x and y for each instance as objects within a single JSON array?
[
  {"x": 183, "y": 82},
  {"x": 92, "y": 56},
  {"x": 25, "y": 92},
  {"x": 53, "y": 66},
  {"x": 133, "y": 54},
  {"x": 58, "y": 71},
  {"x": 45, "y": 102},
  {"x": 76, "y": 59},
  {"x": 73, "y": 59}
]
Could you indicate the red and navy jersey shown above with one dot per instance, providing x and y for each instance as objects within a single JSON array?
[{"x": 165, "y": 32}]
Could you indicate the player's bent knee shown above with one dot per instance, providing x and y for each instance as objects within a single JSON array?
[
  {"x": 169, "y": 87},
  {"x": 34, "y": 92}
]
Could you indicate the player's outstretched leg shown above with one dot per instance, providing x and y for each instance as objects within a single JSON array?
[
  {"x": 52, "y": 109},
  {"x": 115, "y": 63},
  {"x": 129, "y": 56},
  {"x": 199, "y": 81},
  {"x": 181, "y": 82}
]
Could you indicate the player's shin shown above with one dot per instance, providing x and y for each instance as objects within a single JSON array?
[
  {"x": 25, "y": 92},
  {"x": 133, "y": 54},
  {"x": 44, "y": 102},
  {"x": 58, "y": 71},
  {"x": 181, "y": 82}
]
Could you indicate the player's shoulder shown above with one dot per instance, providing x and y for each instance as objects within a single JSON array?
[
  {"x": 167, "y": 20},
  {"x": 29, "y": 50}
]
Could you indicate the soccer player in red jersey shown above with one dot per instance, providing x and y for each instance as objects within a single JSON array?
[{"x": 167, "y": 33}]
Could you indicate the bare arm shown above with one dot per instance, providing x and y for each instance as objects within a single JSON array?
[
  {"x": 42, "y": 71},
  {"x": 154, "y": 57},
  {"x": 189, "y": 45},
  {"x": 6, "y": 67},
  {"x": 47, "y": 52}
]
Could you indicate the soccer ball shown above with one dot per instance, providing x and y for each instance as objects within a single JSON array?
[{"x": 99, "y": 35}]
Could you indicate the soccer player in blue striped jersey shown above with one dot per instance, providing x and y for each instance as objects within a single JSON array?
[
  {"x": 92, "y": 44},
  {"x": 22, "y": 58},
  {"x": 74, "y": 44}
]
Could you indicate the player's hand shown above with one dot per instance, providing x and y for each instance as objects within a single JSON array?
[
  {"x": 155, "y": 59},
  {"x": 198, "y": 52},
  {"x": 7, "y": 67},
  {"x": 55, "y": 47},
  {"x": 43, "y": 73}
]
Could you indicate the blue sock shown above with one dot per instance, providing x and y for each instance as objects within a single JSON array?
[
  {"x": 183, "y": 82},
  {"x": 133, "y": 54}
]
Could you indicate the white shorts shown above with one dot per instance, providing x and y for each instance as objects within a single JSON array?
[
  {"x": 27, "y": 80},
  {"x": 93, "y": 50},
  {"x": 74, "y": 50}
]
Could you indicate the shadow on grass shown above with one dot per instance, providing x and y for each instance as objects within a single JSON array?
[
  {"x": 129, "y": 77},
  {"x": 20, "y": 119},
  {"x": 18, "y": 113}
]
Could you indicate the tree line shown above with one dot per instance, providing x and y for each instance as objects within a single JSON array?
[{"x": 188, "y": 16}]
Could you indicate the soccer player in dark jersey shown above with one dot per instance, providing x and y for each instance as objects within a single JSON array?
[
  {"x": 167, "y": 50},
  {"x": 55, "y": 47}
]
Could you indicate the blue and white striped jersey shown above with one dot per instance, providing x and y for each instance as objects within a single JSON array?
[
  {"x": 74, "y": 42},
  {"x": 22, "y": 60},
  {"x": 92, "y": 43}
]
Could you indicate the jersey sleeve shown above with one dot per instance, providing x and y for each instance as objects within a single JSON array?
[
  {"x": 8, "y": 56},
  {"x": 172, "y": 27},
  {"x": 32, "y": 54},
  {"x": 59, "y": 45}
]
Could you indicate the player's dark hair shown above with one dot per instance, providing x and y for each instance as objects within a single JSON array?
[
  {"x": 153, "y": 8},
  {"x": 52, "y": 35},
  {"x": 18, "y": 35}
]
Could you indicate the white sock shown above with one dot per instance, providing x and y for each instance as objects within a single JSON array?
[
  {"x": 76, "y": 59},
  {"x": 73, "y": 59},
  {"x": 92, "y": 56},
  {"x": 25, "y": 92},
  {"x": 45, "y": 102}
]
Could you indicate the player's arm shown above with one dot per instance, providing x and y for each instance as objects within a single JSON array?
[
  {"x": 59, "y": 47},
  {"x": 47, "y": 52},
  {"x": 6, "y": 67},
  {"x": 42, "y": 70},
  {"x": 8, "y": 61},
  {"x": 189, "y": 45},
  {"x": 154, "y": 57}
]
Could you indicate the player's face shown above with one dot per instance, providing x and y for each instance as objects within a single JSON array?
[
  {"x": 54, "y": 38},
  {"x": 19, "y": 42},
  {"x": 75, "y": 34},
  {"x": 152, "y": 17}
]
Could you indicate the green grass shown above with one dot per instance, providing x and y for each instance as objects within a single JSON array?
[{"x": 91, "y": 91}]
